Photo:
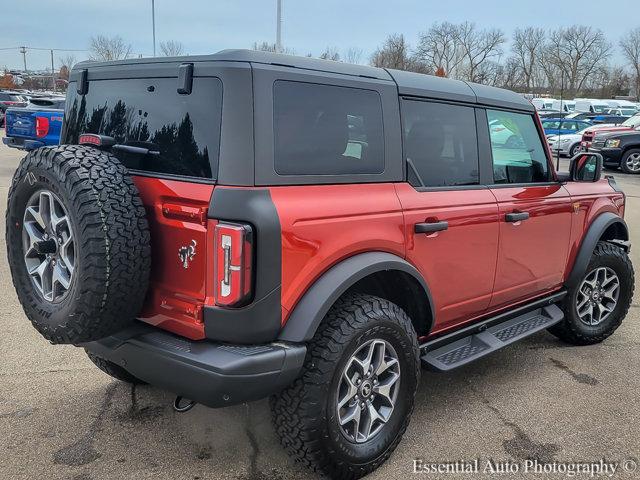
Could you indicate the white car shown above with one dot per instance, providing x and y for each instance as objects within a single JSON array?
[
  {"x": 591, "y": 105},
  {"x": 567, "y": 145},
  {"x": 622, "y": 111}
]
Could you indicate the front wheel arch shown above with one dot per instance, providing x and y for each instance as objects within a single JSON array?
[{"x": 608, "y": 227}]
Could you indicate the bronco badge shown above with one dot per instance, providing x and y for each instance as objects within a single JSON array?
[{"x": 186, "y": 254}]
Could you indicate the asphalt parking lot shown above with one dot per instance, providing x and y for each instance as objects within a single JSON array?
[{"x": 60, "y": 417}]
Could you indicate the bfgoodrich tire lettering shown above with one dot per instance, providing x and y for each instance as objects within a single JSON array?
[
  {"x": 573, "y": 329},
  {"x": 305, "y": 414},
  {"x": 112, "y": 246}
]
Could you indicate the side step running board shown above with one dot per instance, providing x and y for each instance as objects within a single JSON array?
[{"x": 443, "y": 356}]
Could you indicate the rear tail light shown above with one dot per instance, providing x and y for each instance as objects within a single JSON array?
[
  {"x": 233, "y": 264},
  {"x": 42, "y": 127}
]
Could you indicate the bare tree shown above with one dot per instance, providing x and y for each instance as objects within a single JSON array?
[
  {"x": 512, "y": 77},
  {"x": 103, "y": 48},
  {"x": 396, "y": 53},
  {"x": 171, "y": 48},
  {"x": 630, "y": 45},
  {"x": 440, "y": 50},
  {"x": 478, "y": 46},
  {"x": 577, "y": 53},
  {"x": 330, "y": 53},
  {"x": 271, "y": 47},
  {"x": 353, "y": 55},
  {"x": 67, "y": 61},
  {"x": 66, "y": 64},
  {"x": 527, "y": 47}
]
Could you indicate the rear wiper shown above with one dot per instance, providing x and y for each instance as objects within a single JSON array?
[{"x": 132, "y": 149}]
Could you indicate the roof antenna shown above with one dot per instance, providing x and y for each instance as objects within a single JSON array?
[
  {"x": 560, "y": 119},
  {"x": 279, "y": 27}
]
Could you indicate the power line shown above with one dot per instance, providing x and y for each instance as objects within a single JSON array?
[{"x": 45, "y": 49}]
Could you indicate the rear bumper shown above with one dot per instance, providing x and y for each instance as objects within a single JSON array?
[
  {"x": 213, "y": 374},
  {"x": 22, "y": 143}
]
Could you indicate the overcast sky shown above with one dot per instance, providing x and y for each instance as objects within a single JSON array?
[{"x": 206, "y": 26}]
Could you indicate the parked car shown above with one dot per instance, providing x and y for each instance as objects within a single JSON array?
[
  {"x": 543, "y": 103},
  {"x": 316, "y": 234},
  {"x": 587, "y": 116},
  {"x": 609, "y": 119},
  {"x": 619, "y": 149},
  {"x": 561, "y": 126},
  {"x": 567, "y": 106},
  {"x": 568, "y": 145},
  {"x": 56, "y": 103},
  {"x": 629, "y": 124},
  {"x": 35, "y": 126},
  {"x": 591, "y": 105},
  {"x": 622, "y": 112},
  {"x": 9, "y": 99},
  {"x": 626, "y": 104},
  {"x": 552, "y": 114}
]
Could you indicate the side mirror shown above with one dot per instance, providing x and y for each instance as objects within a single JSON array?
[{"x": 586, "y": 167}]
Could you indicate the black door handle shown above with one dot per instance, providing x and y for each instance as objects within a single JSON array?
[
  {"x": 431, "y": 227},
  {"x": 516, "y": 216}
]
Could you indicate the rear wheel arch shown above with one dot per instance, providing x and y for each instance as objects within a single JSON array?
[
  {"x": 376, "y": 273},
  {"x": 605, "y": 227}
]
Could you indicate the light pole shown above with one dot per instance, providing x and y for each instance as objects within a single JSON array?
[
  {"x": 153, "y": 24},
  {"x": 23, "y": 51},
  {"x": 279, "y": 27}
]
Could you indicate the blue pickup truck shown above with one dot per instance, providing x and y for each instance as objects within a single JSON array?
[{"x": 35, "y": 126}]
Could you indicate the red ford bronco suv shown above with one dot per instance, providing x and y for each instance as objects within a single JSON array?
[{"x": 247, "y": 224}]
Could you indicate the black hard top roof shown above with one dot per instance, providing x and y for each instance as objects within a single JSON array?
[{"x": 409, "y": 83}]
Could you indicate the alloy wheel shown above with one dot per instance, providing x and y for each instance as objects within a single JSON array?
[
  {"x": 368, "y": 390},
  {"x": 597, "y": 296},
  {"x": 48, "y": 245},
  {"x": 633, "y": 162}
]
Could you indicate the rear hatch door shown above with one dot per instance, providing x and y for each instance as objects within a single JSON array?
[{"x": 170, "y": 142}]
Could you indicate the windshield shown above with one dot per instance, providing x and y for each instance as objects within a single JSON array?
[
  {"x": 632, "y": 122},
  {"x": 600, "y": 108}
]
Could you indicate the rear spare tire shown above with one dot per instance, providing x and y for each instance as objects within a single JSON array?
[{"x": 77, "y": 242}]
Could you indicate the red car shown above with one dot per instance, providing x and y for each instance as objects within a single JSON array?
[{"x": 248, "y": 224}]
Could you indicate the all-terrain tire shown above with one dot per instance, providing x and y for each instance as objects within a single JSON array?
[
  {"x": 112, "y": 252},
  {"x": 305, "y": 414},
  {"x": 573, "y": 330},
  {"x": 114, "y": 370}
]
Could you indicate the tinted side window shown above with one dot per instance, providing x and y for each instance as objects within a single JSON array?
[
  {"x": 518, "y": 153},
  {"x": 149, "y": 113},
  {"x": 440, "y": 143},
  {"x": 326, "y": 130}
]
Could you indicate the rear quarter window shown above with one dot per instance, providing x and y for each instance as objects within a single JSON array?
[
  {"x": 327, "y": 129},
  {"x": 184, "y": 130}
]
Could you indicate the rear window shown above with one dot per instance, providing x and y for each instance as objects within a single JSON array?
[
  {"x": 10, "y": 97},
  {"x": 440, "y": 144},
  {"x": 181, "y": 131},
  {"x": 327, "y": 130},
  {"x": 47, "y": 103}
]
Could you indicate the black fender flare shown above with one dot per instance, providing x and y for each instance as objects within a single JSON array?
[
  {"x": 318, "y": 299},
  {"x": 589, "y": 242}
]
